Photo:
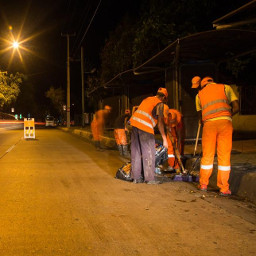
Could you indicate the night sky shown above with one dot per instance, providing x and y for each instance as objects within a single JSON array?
[{"x": 44, "y": 21}]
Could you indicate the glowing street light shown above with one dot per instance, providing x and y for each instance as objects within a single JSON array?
[{"x": 15, "y": 45}]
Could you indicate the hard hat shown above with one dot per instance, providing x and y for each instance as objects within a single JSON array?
[
  {"x": 206, "y": 80},
  {"x": 195, "y": 81},
  {"x": 107, "y": 107},
  {"x": 172, "y": 118},
  {"x": 127, "y": 111},
  {"x": 163, "y": 91}
]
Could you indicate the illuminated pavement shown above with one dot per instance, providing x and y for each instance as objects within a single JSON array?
[
  {"x": 59, "y": 197},
  {"x": 243, "y": 161}
]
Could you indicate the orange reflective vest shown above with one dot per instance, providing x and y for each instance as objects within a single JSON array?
[
  {"x": 99, "y": 116},
  {"x": 142, "y": 118},
  {"x": 214, "y": 101}
]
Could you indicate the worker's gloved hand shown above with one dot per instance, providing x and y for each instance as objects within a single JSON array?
[{"x": 165, "y": 143}]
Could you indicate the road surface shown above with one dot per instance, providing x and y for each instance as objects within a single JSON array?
[{"x": 59, "y": 197}]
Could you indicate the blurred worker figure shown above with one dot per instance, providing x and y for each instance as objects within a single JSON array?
[
  {"x": 97, "y": 125},
  {"x": 213, "y": 104},
  {"x": 149, "y": 113},
  {"x": 120, "y": 130},
  {"x": 173, "y": 120}
]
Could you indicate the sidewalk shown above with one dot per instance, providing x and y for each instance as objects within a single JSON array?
[{"x": 243, "y": 160}]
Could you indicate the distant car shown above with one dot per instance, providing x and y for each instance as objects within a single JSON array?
[{"x": 50, "y": 122}]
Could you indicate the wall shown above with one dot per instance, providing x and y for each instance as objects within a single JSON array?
[
  {"x": 187, "y": 94},
  {"x": 244, "y": 125}
]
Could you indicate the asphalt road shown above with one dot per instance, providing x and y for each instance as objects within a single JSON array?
[{"x": 59, "y": 197}]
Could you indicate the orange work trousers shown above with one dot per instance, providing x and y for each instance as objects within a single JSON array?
[
  {"x": 172, "y": 161},
  {"x": 97, "y": 130},
  {"x": 120, "y": 136},
  {"x": 218, "y": 132}
]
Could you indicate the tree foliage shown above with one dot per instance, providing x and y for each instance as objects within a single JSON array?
[
  {"x": 165, "y": 21},
  {"x": 116, "y": 55},
  {"x": 57, "y": 98},
  {"x": 160, "y": 23},
  {"x": 10, "y": 88}
]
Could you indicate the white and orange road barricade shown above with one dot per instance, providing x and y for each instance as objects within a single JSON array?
[{"x": 29, "y": 128}]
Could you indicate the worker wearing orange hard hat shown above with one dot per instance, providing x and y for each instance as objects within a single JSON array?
[
  {"x": 216, "y": 103},
  {"x": 196, "y": 80},
  {"x": 120, "y": 130},
  {"x": 149, "y": 113},
  {"x": 173, "y": 120},
  {"x": 97, "y": 125}
]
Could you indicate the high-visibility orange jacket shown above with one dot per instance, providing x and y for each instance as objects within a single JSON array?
[
  {"x": 99, "y": 116},
  {"x": 214, "y": 101},
  {"x": 97, "y": 124},
  {"x": 178, "y": 116},
  {"x": 142, "y": 118}
]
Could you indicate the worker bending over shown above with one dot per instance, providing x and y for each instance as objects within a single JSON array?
[
  {"x": 120, "y": 130},
  {"x": 97, "y": 125},
  {"x": 173, "y": 121},
  {"x": 213, "y": 104},
  {"x": 143, "y": 121}
]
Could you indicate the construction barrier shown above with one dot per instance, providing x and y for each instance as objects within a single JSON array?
[{"x": 29, "y": 128}]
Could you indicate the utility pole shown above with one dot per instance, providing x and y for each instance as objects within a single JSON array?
[
  {"x": 82, "y": 80},
  {"x": 68, "y": 78}
]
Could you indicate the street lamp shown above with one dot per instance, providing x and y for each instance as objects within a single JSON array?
[{"x": 15, "y": 45}]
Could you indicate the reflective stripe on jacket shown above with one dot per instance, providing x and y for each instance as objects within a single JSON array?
[
  {"x": 142, "y": 118},
  {"x": 214, "y": 101}
]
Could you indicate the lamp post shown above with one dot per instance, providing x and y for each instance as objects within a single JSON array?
[
  {"x": 82, "y": 81},
  {"x": 68, "y": 78}
]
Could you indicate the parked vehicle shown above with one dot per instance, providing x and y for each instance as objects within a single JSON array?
[{"x": 50, "y": 122}]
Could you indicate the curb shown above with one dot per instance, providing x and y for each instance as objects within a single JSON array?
[
  {"x": 242, "y": 182},
  {"x": 242, "y": 179},
  {"x": 87, "y": 135}
]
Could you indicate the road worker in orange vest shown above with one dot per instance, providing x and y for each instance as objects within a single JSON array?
[
  {"x": 120, "y": 130},
  {"x": 149, "y": 113},
  {"x": 97, "y": 125},
  {"x": 216, "y": 103},
  {"x": 173, "y": 120}
]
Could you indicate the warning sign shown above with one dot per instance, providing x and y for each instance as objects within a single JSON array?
[{"x": 29, "y": 128}]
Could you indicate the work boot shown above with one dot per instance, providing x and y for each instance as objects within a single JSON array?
[
  {"x": 140, "y": 180},
  {"x": 126, "y": 152},
  {"x": 120, "y": 149},
  {"x": 226, "y": 193},
  {"x": 97, "y": 145},
  {"x": 170, "y": 169},
  {"x": 202, "y": 187}
]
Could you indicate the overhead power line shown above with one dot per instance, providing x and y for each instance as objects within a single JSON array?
[
  {"x": 88, "y": 26},
  {"x": 84, "y": 17}
]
